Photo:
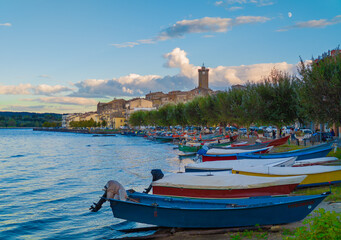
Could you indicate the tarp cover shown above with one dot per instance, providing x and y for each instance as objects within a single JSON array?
[
  {"x": 230, "y": 164},
  {"x": 315, "y": 161},
  {"x": 221, "y": 151},
  {"x": 223, "y": 180},
  {"x": 289, "y": 170}
]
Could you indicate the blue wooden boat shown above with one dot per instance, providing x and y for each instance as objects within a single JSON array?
[
  {"x": 301, "y": 154},
  {"x": 189, "y": 213}
]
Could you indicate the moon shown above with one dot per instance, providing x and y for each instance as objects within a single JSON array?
[{"x": 289, "y": 14}]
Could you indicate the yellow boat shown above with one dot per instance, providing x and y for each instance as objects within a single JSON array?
[{"x": 316, "y": 175}]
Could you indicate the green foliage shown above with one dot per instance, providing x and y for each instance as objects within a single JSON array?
[
  {"x": 320, "y": 87},
  {"x": 51, "y": 124},
  {"x": 276, "y": 99},
  {"x": 235, "y": 236},
  {"x": 193, "y": 114},
  {"x": 25, "y": 119},
  {"x": 138, "y": 118},
  {"x": 288, "y": 232},
  {"x": 83, "y": 124},
  {"x": 325, "y": 225}
]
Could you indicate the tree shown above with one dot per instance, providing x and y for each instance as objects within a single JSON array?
[
  {"x": 320, "y": 87},
  {"x": 137, "y": 118},
  {"x": 278, "y": 99},
  {"x": 193, "y": 113}
]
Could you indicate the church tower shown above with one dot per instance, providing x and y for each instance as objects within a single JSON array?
[{"x": 203, "y": 77}]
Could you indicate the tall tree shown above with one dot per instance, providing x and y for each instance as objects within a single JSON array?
[
  {"x": 278, "y": 97},
  {"x": 320, "y": 88}
]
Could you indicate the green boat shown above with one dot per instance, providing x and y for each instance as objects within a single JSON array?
[{"x": 185, "y": 148}]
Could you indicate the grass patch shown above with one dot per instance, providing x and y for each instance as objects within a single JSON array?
[
  {"x": 335, "y": 196},
  {"x": 336, "y": 154},
  {"x": 287, "y": 147}
]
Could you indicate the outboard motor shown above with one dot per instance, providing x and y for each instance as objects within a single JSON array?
[
  {"x": 157, "y": 175},
  {"x": 97, "y": 206}
]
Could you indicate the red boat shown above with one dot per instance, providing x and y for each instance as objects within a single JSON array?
[
  {"x": 274, "y": 142},
  {"x": 223, "y": 185},
  {"x": 223, "y": 154}
]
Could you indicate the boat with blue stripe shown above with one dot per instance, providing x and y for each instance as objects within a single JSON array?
[{"x": 190, "y": 213}]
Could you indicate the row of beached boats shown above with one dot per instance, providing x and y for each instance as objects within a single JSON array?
[{"x": 234, "y": 185}]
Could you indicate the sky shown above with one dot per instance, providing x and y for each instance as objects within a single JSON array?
[{"x": 64, "y": 56}]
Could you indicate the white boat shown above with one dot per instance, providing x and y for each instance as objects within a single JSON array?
[
  {"x": 223, "y": 185},
  {"x": 227, "y": 151},
  {"x": 316, "y": 175},
  {"x": 315, "y": 161},
  {"x": 230, "y": 164}
]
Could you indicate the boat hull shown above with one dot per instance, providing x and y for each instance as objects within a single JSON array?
[
  {"x": 301, "y": 155},
  {"x": 185, "y": 148},
  {"x": 222, "y": 157},
  {"x": 170, "y": 212},
  {"x": 224, "y": 193}
]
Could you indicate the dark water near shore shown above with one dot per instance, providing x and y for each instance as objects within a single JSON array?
[{"x": 48, "y": 181}]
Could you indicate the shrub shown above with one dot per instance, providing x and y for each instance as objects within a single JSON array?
[{"x": 325, "y": 225}]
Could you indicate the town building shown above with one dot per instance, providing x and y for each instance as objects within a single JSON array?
[{"x": 137, "y": 104}]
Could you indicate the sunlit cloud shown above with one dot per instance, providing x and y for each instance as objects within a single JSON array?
[
  {"x": 21, "y": 89},
  {"x": 125, "y": 44},
  {"x": 6, "y": 24},
  {"x": 202, "y": 25},
  {"x": 220, "y": 78},
  {"x": 44, "y": 76},
  {"x": 29, "y": 89},
  {"x": 233, "y": 5},
  {"x": 313, "y": 24},
  {"x": 47, "y": 108},
  {"x": 66, "y": 100}
]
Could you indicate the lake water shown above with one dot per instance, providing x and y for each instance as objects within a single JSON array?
[{"x": 48, "y": 181}]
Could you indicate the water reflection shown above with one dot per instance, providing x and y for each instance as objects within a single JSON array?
[{"x": 49, "y": 180}]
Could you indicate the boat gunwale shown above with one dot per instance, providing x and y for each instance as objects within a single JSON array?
[{"x": 251, "y": 206}]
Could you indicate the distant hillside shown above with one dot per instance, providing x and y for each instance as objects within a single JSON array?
[{"x": 27, "y": 119}]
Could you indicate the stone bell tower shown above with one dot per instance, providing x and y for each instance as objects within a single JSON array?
[{"x": 203, "y": 77}]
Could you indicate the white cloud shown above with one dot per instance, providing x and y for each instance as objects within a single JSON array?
[
  {"x": 224, "y": 76},
  {"x": 125, "y": 44},
  {"x": 132, "y": 85},
  {"x": 44, "y": 76},
  {"x": 6, "y": 24},
  {"x": 29, "y": 89},
  {"x": 45, "y": 89},
  {"x": 21, "y": 89},
  {"x": 67, "y": 100},
  {"x": 233, "y": 5},
  {"x": 208, "y": 36},
  {"x": 313, "y": 24},
  {"x": 221, "y": 77},
  {"x": 206, "y": 25},
  {"x": 202, "y": 25},
  {"x": 234, "y": 8}
]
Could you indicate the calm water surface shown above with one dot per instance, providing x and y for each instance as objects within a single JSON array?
[{"x": 48, "y": 181}]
